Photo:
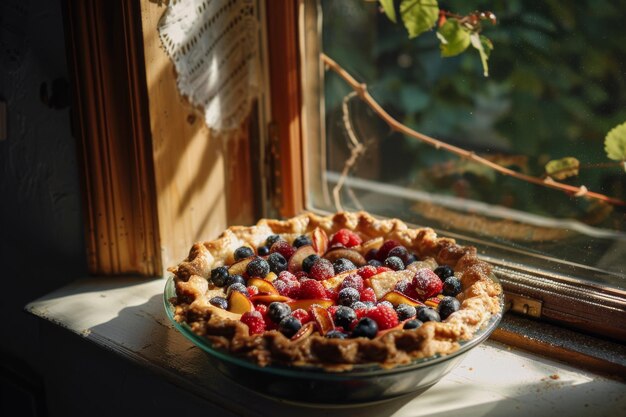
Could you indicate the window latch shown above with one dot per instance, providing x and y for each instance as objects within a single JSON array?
[{"x": 526, "y": 306}]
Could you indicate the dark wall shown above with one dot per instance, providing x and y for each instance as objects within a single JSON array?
[{"x": 41, "y": 229}]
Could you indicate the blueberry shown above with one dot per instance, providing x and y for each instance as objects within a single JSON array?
[
  {"x": 443, "y": 272},
  {"x": 447, "y": 306},
  {"x": 235, "y": 279},
  {"x": 289, "y": 326},
  {"x": 374, "y": 262},
  {"x": 219, "y": 276},
  {"x": 385, "y": 303},
  {"x": 401, "y": 252},
  {"x": 343, "y": 265},
  {"x": 369, "y": 304},
  {"x": 357, "y": 305},
  {"x": 243, "y": 252},
  {"x": 451, "y": 286},
  {"x": 336, "y": 334},
  {"x": 366, "y": 327},
  {"x": 410, "y": 259},
  {"x": 412, "y": 324},
  {"x": 344, "y": 316},
  {"x": 262, "y": 250},
  {"x": 219, "y": 302},
  {"x": 308, "y": 262},
  {"x": 301, "y": 241},
  {"x": 277, "y": 263},
  {"x": 405, "y": 311},
  {"x": 347, "y": 296},
  {"x": 371, "y": 254},
  {"x": 425, "y": 314},
  {"x": 237, "y": 287},
  {"x": 258, "y": 267},
  {"x": 278, "y": 311},
  {"x": 271, "y": 240},
  {"x": 394, "y": 263}
]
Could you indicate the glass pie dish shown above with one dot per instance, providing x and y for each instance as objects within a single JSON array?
[{"x": 364, "y": 383}]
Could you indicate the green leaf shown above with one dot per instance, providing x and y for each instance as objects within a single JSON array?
[
  {"x": 559, "y": 169},
  {"x": 419, "y": 16},
  {"x": 454, "y": 38},
  {"x": 615, "y": 143},
  {"x": 484, "y": 46},
  {"x": 389, "y": 10}
]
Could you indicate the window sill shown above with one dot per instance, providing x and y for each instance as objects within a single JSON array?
[{"x": 126, "y": 316}]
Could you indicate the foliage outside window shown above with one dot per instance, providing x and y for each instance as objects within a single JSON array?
[{"x": 556, "y": 86}]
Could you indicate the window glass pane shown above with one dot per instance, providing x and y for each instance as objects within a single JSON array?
[{"x": 557, "y": 85}]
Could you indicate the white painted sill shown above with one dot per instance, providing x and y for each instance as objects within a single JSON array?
[{"x": 126, "y": 316}]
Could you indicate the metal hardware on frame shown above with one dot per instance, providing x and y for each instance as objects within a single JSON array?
[{"x": 523, "y": 305}]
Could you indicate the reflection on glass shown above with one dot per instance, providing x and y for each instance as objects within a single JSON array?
[{"x": 557, "y": 85}]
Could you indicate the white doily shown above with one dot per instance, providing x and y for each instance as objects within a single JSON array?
[{"x": 214, "y": 47}]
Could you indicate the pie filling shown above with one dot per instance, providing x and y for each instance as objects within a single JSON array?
[{"x": 334, "y": 291}]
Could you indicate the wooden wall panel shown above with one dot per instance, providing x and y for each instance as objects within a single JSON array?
[
  {"x": 110, "y": 122},
  {"x": 203, "y": 181}
]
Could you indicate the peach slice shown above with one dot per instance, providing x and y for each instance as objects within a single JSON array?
[
  {"x": 239, "y": 303},
  {"x": 268, "y": 299},
  {"x": 265, "y": 287},
  {"x": 386, "y": 281},
  {"x": 396, "y": 298},
  {"x": 271, "y": 277},
  {"x": 305, "y": 304},
  {"x": 323, "y": 319},
  {"x": 374, "y": 243},
  {"x": 381, "y": 333},
  {"x": 295, "y": 262},
  {"x": 350, "y": 254},
  {"x": 305, "y": 331},
  {"x": 336, "y": 281},
  {"x": 434, "y": 301},
  {"x": 429, "y": 263},
  {"x": 320, "y": 240},
  {"x": 239, "y": 267}
]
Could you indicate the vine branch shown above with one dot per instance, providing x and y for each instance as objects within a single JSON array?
[{"x": 361, "y": 90}]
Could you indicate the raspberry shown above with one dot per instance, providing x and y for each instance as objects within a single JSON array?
[
  {"x": 287, "y": 276},
  {"x": 283, "y": 248},
  {"x": 360, "y": 313},
  {"x": 384, "y": 316},
  {"x": 342, "y": 237},
  {"x": 346, "y": 238},
  {"x": 252, "y": 290},
  {"x": 261, "y": 308},
  {"x": 312, "y": 289},
  {"x": 254, "y": 321},
  {"x": 289, "y": 289},
  {"x": 332, "y": 310},
  {"x": 301, "y": 275},
  {"x": 383, "y": 251},
  {"x": 354, "y": 240},
  {"x": 366, "y": 271},
  {"x": 302, "y": 315},
  {"x": 426, "y": 284},
  {"x": 322, "y": 269},
  {"x": 354, "y": 281},
  {"x": 381, "y": 269},
  {"x": 331, "y": 294},
  {"x": 368, "y": 295}
]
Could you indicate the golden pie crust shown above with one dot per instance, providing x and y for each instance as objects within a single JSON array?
[{"x": 480, "y": 297}]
